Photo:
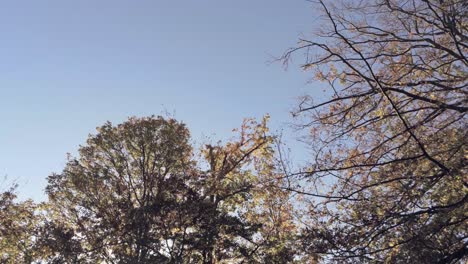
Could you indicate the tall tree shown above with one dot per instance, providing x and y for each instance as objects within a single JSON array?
[
  {"x": 243, "y": 183},
  {"x": 138, "y": 194},
  {"x": 390, "y": 142},
  {"x": 124, "y": 199},
  {"x": 18, "y": 226}
]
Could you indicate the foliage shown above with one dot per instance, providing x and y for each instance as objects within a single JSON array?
[
  {"x": 17, "y": 229},
  {"x": 389, "y": 177},
  {"x": 387, "y": 183},
  {"x": 138, "y": 194}
]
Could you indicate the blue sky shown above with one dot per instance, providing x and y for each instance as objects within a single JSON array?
[{"x": 69, "y": 66}]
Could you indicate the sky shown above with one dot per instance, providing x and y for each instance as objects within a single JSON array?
[{"x": 69, "y": 66}]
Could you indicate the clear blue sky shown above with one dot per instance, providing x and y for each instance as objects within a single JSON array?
[{"x": 68, "y": 66}]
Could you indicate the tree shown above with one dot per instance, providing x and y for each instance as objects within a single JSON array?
[
  {"x": 18, "y": 225},
  {"x": 125, "y": 197},
  {"x": 243, "y": 178},
  {"x": 390, "y": 142},
  {"x": 138, "y": 194}
]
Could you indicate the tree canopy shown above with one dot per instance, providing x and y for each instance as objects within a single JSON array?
[
  {"x": 390, "y": 142},
  {"x": 386, "y": 182},
  {"x": 138, "y": 194},
  {"x": 18, "y": 225}
]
